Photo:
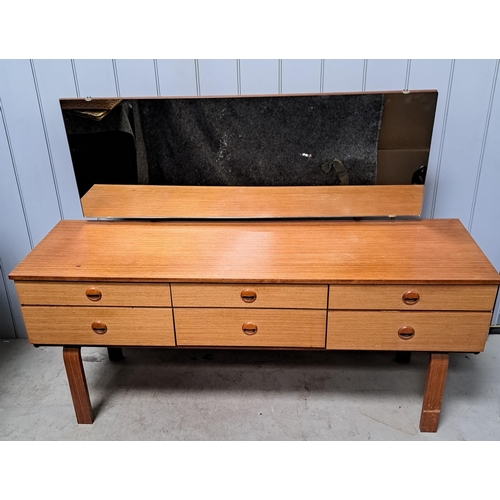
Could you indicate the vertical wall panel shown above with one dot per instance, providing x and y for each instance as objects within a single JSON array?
[
  {"x": 39, "y": 147},
  {"x": 177, "y": 77},
  {"x": 6, "y": 326},
  {"x": 343, "y": 75},
  {"x": 136, "y": 77},
  {"x": 486, "y": 216},
  {"x": 55, "y": 80},
  {"x": 95, "y": 77},
  {"x": 14, "y": 241},
  {"x": 259, "y": 76},
  {"x": 496, "y": 312},
  {"x": 27, "y": 138},
  {"x": 301, "y": 76},
  {"x": 386, "y": 74},
  {"x": 432, "y": 74},
  {"x": 468, "y": 109},
  {"x": 218, "y": 77}
]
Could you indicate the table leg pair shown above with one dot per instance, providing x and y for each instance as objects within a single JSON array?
[{"x": 431, "y": 407}]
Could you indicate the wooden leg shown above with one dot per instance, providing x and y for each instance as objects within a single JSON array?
[
  {"x": 434, "y": 389},
  {"x": 115, "y": 353},
  {"x": 403, "y": 357},
  {"x": 78, "y": 384}
]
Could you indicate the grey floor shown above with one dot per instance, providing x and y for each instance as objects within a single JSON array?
[{"x": 157, "y": 394}]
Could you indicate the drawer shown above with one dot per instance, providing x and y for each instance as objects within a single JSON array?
[
  {"x": 250, "y": 328},
  {"x": 114, "y": 325},
  {"x": 94, "y": 294},
  {"x": 249, "y": 296},
  {"x": 413, "y": 297},
  {"x": 408, "y": 331}
]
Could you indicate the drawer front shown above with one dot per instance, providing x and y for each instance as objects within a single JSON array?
[
  {"x": 99, "y": 326},
  {"x": 413, "y": 297},
  {"x": 408, "y": 331},
  {"x": 250, "y": 328},
  {"x": 94, "y": 294},
  {"x": 250, "y": 296}
]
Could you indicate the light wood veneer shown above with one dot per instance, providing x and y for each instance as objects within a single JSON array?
[
  {"x": 266, "y": 296},
  {"x": 434, "y": 331},
  {"x": 125, "y": 325},
  {"x": 302, "y": 252},
  {"x": 273, "y": 328},
  {"x": 392, "y": 285},
  {"x": 428, "y": 297},
  {"x": 110, "y": 294},
  {"x": 226, "y": 202}
]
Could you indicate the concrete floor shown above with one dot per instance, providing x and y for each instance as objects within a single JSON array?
[{"x": 160, "y": 394}]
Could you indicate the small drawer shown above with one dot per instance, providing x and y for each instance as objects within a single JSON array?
[
  {"x": 413, "y": 297},
  {"x": 259, "y": 296},
  {"x": 250, "y": 328},
  {"x": 408, "y": 331},
  {"x": 99, "y": 326},
  {"x": 94, "y": 294}
]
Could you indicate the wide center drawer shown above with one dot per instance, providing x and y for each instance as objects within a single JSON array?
[
  {"x": 99, "y": 326},
  {"x": 250, "y": 328},
  {"x": 408, "y": 331},
  {"x": 253, "y": 295},
  {"x": 413, "y": 297},
  {"x": 94, "y": 294}
]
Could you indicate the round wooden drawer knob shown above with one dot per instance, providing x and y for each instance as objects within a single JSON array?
[
  {"x": 406, "y": 332},
  {"x": 93, "y": 294},
  {"x": 248, "y": 295},
  {"x": 411, "y": 297},
  {"x": 249, "y": 328},
  {"x": 99, "y": 327}
]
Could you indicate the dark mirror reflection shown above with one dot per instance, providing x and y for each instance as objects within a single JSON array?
[{"x": 309, "y": 140}]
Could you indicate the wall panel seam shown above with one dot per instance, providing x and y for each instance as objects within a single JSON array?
[
  {"x": 280, "y": 76},
  {"x": 197, "y": 76},
  {"x": 322, "y": 76},
  {"x": 16, "y": 173},
  {"x": 115, "y": 74},
  {"x": 441, "y": 141},
  {"x": 75, "y": 78},
  {"x": 47, "y": 140},
  {"x": 238, "y": 76},
  {"x": 9, "y": 302},
  {"x": 157, "y": 77},
  {"x": 408, "y": 71},
  {"x": 483, "y": 147},
  {"x": 496, "y": 309},
  {"x": 365, "y": 72}
]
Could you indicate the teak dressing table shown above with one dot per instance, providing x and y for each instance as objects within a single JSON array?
[{"x": 258, "y": 267}]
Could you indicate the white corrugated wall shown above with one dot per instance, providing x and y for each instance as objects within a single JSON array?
[{"x": 37, "y": 187}]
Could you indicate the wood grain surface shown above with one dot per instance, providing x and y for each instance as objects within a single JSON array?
[
  {"x": 78, "y": 384},
  {"x": 266, "y": 296},
  {"x": 227, "y": 202},
  {"x": 73, "y": 294},
  {"x": 275, "y": 328},
  {"x": 430, "y": 297},
  {"x": 434, "y": 390},
  {"x": 434, "y": 331},
  {"x": 336, "y": 252},
  {"x": 125, "y": 325}
]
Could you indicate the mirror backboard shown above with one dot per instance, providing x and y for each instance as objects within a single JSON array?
[{"x": 251, "y": 146}]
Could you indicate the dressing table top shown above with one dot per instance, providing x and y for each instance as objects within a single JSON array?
[{"x": 359, "y": 252}]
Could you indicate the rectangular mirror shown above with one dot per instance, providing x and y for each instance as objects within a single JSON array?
[{"x": 358, "y": 154}]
